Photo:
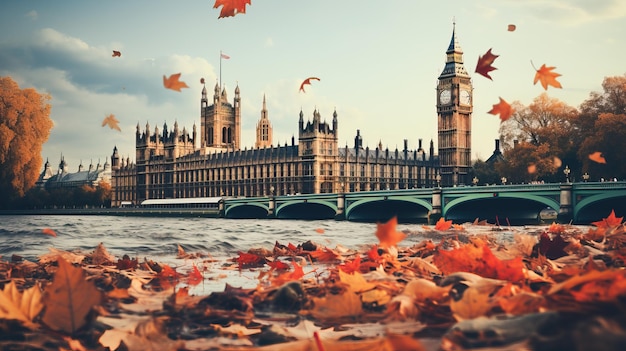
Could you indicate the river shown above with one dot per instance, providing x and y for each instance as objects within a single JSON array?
[{"x": 157, "y": 239}]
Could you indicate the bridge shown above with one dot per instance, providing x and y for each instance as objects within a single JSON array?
[{"x": 579, "y": 203}]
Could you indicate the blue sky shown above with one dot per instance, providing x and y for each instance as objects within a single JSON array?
[{"x": 378, "y": 63}]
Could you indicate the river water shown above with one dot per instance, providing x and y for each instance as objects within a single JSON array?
[{"x": 157, "y": 239}]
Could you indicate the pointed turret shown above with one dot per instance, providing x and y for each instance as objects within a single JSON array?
[{"x": 454, "y": 58}]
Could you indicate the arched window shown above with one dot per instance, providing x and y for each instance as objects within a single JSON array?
[
  {"x": 210, "y": 136},
  {"x": 230, "y": 135},
  {"x": 224, "y": 135}
]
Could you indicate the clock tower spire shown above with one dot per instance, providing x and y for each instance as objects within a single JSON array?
[{"x": 454, "y": 116}]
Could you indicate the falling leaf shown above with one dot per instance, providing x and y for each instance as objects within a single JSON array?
[
  {"x": 201, "y": 80},
  {"x": 69, "y": 298},
  {"x": 307, "y": 81},
  {"x": 442, "y": 224},
  {"x": 502, "y": 108},
  {"x": 532, "y": 169},
  {"x": 597, "y": 157},
  {"x": 117, "y": 54},
  {"x": 173, "y": 83},
  {"x": 49, "y": 231},
  {"x": 547, "y": 77},
  {"x": 609, "y": 222},
  {"x": 511, "y": 27},
  {"x": 557, "y": 162},
  {"x": 112, "y": 122},
  {"x": 230, "y": 8},
  {"x": 483, "y": 66},
  {"x": 20, "y": 306},
  {"x": 387, "y": 233}
]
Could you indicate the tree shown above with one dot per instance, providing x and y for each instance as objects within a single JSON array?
[
  {"x": 602, "y": 128},
  {"x": 25, "y": 126},
  {"x": 543, "y": 130}
]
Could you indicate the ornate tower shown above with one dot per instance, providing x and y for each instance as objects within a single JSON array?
[
  {"x": 220, "y": 123},
  {"x": 263, "y": 129},
  {"x": 318, "y": 150},
  {"x": 454, "y": 111}
]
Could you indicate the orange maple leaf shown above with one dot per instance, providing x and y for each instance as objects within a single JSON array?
[
  {"x": 442, "y": 224},
  {"x": 511, "y": 27},
  {"x": 112, "y": 122},
  {"x": 173, "y": 83},
  {"x": 230, "y": 8},
  {"x": 387, "y": 233},
  {"x": 503, "y": 108},
  {"x": 307, "y": 81},
  {"x": 547, "y": 77},
  {"x": 49, "y": 231},
  {"x": 350, "y": 267},
  {"x": 116, "y": 54},
  {"x": 597, "y": 157},
  {"x": 195, "y": 276},
  {"x": 483, "y": 66},
  {"x": 609, "y": 222}
]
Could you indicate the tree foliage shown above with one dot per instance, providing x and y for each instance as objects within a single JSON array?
[{"x": 24, "y": 127}]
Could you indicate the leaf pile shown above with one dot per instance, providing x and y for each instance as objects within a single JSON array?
[{"x": 560, "y": 287}]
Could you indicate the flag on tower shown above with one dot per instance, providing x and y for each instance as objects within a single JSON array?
[{"x": 224, "y": 56}]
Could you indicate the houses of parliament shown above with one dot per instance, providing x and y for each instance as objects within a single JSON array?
[{"x": 174, "y": 163}]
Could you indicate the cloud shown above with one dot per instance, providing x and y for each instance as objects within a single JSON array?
[
  {"x": 574, "y": 12},
  {"x": 86, "y": 83}
]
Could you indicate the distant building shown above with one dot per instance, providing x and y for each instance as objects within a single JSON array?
[
  {"x": 63, "y": 178},
  {"x": 174, "y": 164}
]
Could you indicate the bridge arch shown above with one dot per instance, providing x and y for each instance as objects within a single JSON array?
[
  {"x": 382, "y": 208},
  {"x": 596, "y": 207},
  {"x": 247, "y": 211},
  {"x": 306, "y": 209},
  {"x": 492, "y": 206}
]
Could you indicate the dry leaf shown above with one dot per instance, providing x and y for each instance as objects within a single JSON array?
[
  {"x": 547, "y": 77},
  {"x": 116, "y": 54},
  {"x": 49, "y": 231},
  {"x": 112, "y": 122},
  {"x": 101, "y": 256},
  {"x": 172, "y": 82},
  {"x": 483, "y": 66},
  {"x": 511, "y": 27},
  {"x": 21, "y": 306},
  {"x": 597, "y": 157},
  {"x": 387, "y": 233},
  {"x": 532, "y": 169},
  {"x": 442, "y": 224},
  {"x": 230, "y": 8},
  {"x": 503, "y": 108},
  {"x": 69, "y": 299},
  {"x": 346, "y": 304},
  {"x": 307, "y": 81}
]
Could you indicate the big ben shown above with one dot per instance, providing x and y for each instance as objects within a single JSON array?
[{"x": 454, "y": 115}]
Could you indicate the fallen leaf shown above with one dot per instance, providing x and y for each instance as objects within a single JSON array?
[
  {"x": 69, "y": 298},
  {"x": 597, "y": 157},
  {"x": 319, "y": 230},
  {"x": 547, "y": 77},
  {"x": 195, "y": 276},
  {"x": 117, "y": 54},
  {"x": 230, "y": 8},
  {"x": 346, "y": 304},
  {"x": 49, "y": 231},
  {"x": 387, "y": 233},
  {"x": 442, "y": 224},
  {"x": 307, "y": 81},
  {"x": 503, "y": 108},
  {"x": 511, "y": 27},
  {"x": 173, "y": 82},
  {"x": 112, "y": 122},
  {"x": 484, "y": 64},
  {"x": 20, "y": 306},
  {"x": 609, "y": 222}
]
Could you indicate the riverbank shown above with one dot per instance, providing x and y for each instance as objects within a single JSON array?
[{"x": 135, "y": 212}]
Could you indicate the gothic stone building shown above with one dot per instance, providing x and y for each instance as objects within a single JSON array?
[{"x": 174, "y": 164}]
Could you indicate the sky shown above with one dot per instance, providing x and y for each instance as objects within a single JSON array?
[{"x": 378, "y": 63}]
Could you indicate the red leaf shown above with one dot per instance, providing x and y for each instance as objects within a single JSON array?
[
  {"x": 503, "y": 108},
  {"x": 511, "y": 27},
  {"x": 230, "y": 8},
  {"x": 195, "y": 277},
  {"x": 116, "y": 54},
  {"x": 248, "y": 260},
  {"x": 597, "y": 157},
  {"x": 49, "y": 231},
  {"x": 351, "y": 267},
  {"x": 552, "y": 248},
  {"x": 483, "y": 66},
  {"x": 387, "y": 233},
  {"x": 442, "y": 224},
  {"x": 278, "y": 265},
  {"x": 547, "y": 77},
  {"x": 609, "y": 222},
  {"x": 126, "y": 263},
  {"x": 307, "y": 81}
]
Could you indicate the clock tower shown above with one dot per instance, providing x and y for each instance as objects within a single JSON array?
[{"x": 454, "y": 117}]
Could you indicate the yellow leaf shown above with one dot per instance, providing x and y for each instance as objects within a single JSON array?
[
  {"x": 356, "y": 281},
  {"x": 21, "y": 306},
  {"x": 69, "y": 298},
  {"x": 346, "y": 304}
]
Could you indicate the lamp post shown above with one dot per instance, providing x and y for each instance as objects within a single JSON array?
[
  {"x": 586, "y": 177},
  {"x": 567, "y": 171},
  {"x": 475, "y": 181},
  {"x": 272, "y": 190},
  {"x": 341, "y": 185},
  {"x": 438, "y": 178},
  {"x": 503, "y": 179}
]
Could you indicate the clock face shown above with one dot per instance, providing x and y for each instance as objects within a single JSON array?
[
  {"x": 445, "y": 97},
  {"x": 466, "y": 98}
]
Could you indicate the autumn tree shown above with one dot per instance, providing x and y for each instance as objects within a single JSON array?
[
  {"x": 601, "y": 126},
  {"x": 24, "y": 126},
  {"x": 544, "y": 129}
]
